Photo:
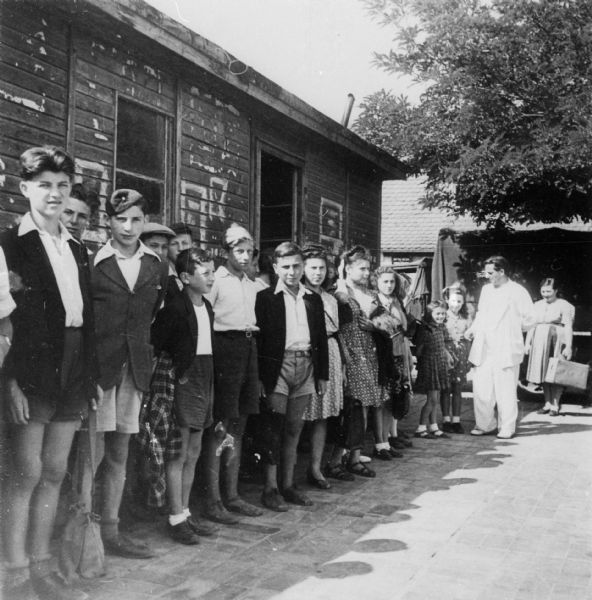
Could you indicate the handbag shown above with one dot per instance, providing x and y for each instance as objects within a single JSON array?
[
  {"x": 81, "y": 547},
  {"x": 567, "y": 373}
]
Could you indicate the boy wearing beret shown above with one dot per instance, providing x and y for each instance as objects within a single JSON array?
[{"x": 128, "y": 283}]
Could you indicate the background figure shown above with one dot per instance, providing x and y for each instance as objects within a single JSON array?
[
  {"x": 82, "y": 205},
  {"x": 551, "y": 336},
  {"x": 457, "y": 323},
  {"x": 505, "y": 310}
]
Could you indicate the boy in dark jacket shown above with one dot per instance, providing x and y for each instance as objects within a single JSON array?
[
  {"x": 49, "y": 369},
  {"x": 184, "y": 330}
]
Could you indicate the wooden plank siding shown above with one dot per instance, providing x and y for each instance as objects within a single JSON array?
[{"x": 63, "y": 68}]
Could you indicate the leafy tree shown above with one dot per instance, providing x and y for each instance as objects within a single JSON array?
[{"x": 503, "y": 130}]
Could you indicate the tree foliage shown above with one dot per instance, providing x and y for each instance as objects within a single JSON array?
[{"x": 503, "y": 131}]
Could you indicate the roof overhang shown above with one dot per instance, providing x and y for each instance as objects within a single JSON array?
[{"x": 213, "y": 59}]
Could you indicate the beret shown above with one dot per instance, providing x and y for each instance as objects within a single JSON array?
[
  {"x": 123, "y": 199},
  {"x": 157, "y": 229}
]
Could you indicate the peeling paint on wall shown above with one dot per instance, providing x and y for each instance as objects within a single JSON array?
[{"x": 24, "y": 101}]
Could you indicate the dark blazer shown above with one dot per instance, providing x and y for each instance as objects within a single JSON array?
[
  {"x": 175, "y": 331},
  {"x": 270, "y": 310},
  {"x": 39, "y": 319},
  {"x": 124, "y": 317}
]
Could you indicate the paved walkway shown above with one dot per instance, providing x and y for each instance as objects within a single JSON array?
[{"x": 474, "y": 518}]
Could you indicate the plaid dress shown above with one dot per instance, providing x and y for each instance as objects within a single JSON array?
[
  {"x": 159, "y": 435},
  {"x": 432, "y": 364}
]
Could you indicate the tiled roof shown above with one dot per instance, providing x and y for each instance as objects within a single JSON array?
[{"x": 408, "y": 227}]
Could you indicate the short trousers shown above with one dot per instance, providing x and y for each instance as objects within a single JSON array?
[
  {"x": 73, "y": 404},
  {"x": 236, "y": 375},
  {"x": 296, "y": 375},
  {"x": 194, "y": 394},
  {"x": 119, "y": 406}
]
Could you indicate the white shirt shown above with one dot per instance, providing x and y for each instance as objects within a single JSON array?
[
  {"x": 204, "y": 334},
  {"x": 233, "y": 301},
  {"x": 297, "y": 331},
  {"x": 64, "y": 268},
  {"x": 128, "y": 265},
  {"x": 7, "y": 304}
]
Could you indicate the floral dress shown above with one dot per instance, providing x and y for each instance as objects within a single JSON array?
[
  {"x": 433, "y": 343},
  {"x": 331, "y": 402},
  {"x": 552, "y": 318},
  {"x": 362, "y": 366},
  {"x": 457, "y": 326}
]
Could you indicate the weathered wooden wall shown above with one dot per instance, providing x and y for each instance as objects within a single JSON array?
[{"x": 59, "y": 84}]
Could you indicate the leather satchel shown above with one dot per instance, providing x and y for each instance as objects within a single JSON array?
[{"x": 567, "y": 373}]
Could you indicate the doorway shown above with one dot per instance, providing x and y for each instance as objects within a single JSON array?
[{"x": 279, "y": 190}]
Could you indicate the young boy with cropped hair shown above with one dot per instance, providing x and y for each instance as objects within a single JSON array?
[
  {"x": 49, "y": 370},
  {"x": 293, "y": 365},
  {"x": 183, "y": 329}
]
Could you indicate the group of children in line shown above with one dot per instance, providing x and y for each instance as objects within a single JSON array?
[{"x": 150, "y": 337}]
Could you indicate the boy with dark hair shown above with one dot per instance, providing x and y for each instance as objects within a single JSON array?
[
  {"x": 183, "y": 329},
  {"x": 236, "y": 375},
  {"x": 128, "y": 281},
  {"x": 82, "y": 205},
  {"x": 49, "y": 370},
  {"x": 182, "y": 240},
  {"x": 293, "y": 364}
]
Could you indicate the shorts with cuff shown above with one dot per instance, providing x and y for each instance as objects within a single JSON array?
[
  {"x": 73, "y": 402},
  {"x": 296, "y": 376},
  {"x": 236, "y": 374},
  {"x": 119, "y": 406},
  {"x": 194, "y": 394}
]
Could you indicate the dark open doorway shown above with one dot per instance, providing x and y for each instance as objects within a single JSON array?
[{"x": 279, "y": 191}]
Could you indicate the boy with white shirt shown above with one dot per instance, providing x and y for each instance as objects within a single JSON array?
[{"x": 128, "y": 284}]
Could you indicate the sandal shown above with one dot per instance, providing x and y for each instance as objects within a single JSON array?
[
  {"x": 337, "y": 472},
  {"x": 360, "y": 469}
]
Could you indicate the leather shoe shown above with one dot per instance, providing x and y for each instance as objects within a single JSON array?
[
  {"x": 383, "y": 454},
  {"x": 543, "y": 411},
  {"x": 447, "y": 427},
  {"x": 320, "y": 483},
  {"x": 394, "y": 453},
  {"x": 239, "y": 506},
  {"x": 457, "y": 428},
  {"x": 293, "y": 496},
  {"x": 50, "y": 587},
  {"x": 183, "y": 533},
  {"x": 201, "y": 527},
  {"x": 505, "y": 436},
  {"x": 217, "y": 513},
  {"x": 271, "y": 499},
  {"x": 121, "y": 545},
  {"x": 553, "y": 413}
]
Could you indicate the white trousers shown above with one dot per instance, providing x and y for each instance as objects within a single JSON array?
[{"x": 494, "y": 386}]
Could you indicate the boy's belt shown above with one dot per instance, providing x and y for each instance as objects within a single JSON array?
[
  {"x": 236, "y": 333},
  {"x": 298, "y": 353}
]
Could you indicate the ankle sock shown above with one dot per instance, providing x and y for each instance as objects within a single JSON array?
[
  {"x": 447, "y": 420},
  {"x": 186, "y": 512},
  {"x": 176, "y": 519},
  {"x": 455, "y": 419},
  {"x": 421, "y": 428},
  {"x": 434, "y": 427},
  {"x": 109, "y": 528}
]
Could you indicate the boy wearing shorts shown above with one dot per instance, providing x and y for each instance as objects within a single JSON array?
[
  {"x": 184, "y": 330},
  {"x": 128, "y": 282},
  {"x": 50, "y": 367},
  {"x": 236, "y": 375},
  {"x": 293, "y": 364}
]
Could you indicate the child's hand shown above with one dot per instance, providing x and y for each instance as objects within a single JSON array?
[
  {"x": 365, "y": 324},
  {"x": 262, "y": 393},
  {"x": 322, "y": 387},
  {"x": 566, "y": 353},
  {"x": 4, "y": 348},
  {"x": 18, "y": 405}
]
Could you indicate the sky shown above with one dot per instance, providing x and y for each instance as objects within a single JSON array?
[{"x": 319, "y": 50}]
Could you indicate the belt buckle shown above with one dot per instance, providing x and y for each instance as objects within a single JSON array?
[{"x": 248, "y": 334}]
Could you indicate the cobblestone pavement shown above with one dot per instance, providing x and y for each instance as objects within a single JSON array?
[{"x": 474, "y": 518}]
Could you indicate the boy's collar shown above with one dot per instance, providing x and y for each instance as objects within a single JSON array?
[
  {"x": 282, "y": 287},
  {"x": 27, "y": 225},
  {"x": 108, "y": 250}
]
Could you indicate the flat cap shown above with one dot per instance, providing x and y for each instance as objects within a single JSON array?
[
  {"x": 123, "y": 199},
  {"x": 157, "y": 229}
]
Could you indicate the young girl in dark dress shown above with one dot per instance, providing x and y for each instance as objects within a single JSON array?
[{"x": 434, "y": 360}]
